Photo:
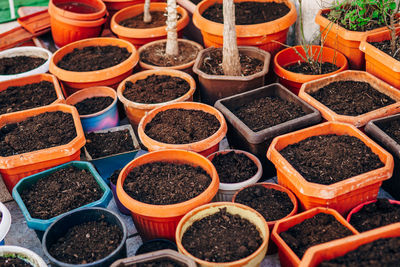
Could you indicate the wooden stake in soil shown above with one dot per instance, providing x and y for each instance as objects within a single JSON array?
[
  {"x": 146, "y": 12},
  {"x": 172, "y": 35},
  {"x": 230, "y": 52}
]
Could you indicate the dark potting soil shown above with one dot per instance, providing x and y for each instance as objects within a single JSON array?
[
  {"x": 234, "y": 167},
  {"x": 91, "y": 58},
  {"x": 383, "y": 252},
  {"x": 155, "y": 55},
  {"x": 114, "y": 177},
  {"x": 221, "y": 237},
  {"x": 307, "y": 69},
  {"x": 392, "y": 128},
  {"x": 156, "y": 89},
  {"x": 165, "y": 183},
  {"x": 87, "y": 242},
  {"x": 163, "y": 262},
  {"x": 104, "y": 144},
  {"x": 272, "y": 204},
  {"x": 13, "y": 262},
  {"x": 19, "y": 64},
  {"x": 28, "y": 96},
  {"x": 158, "y": 19},
  {"x": 155, "y": 245},
  {"x": 93, "y": 104},
  {"x": 182, "y": 126},
  {"x": 266, "y": 112},
  {"x": 313, "y": 231},
  {"x": 46, "y": 130},
  {"x": 212, "y": 63},
  {"x": 60, "y": 192},
  {"x": 375, "y": 215},
  {"x": 247, "y": 13},
  {"x": 385, "y": 47},
  {"x": 328, "y": 159},
  {"x": 351, "y": 98}
]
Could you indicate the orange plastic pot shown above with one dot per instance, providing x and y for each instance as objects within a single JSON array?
[
  {"x": 233, "y": 208},
  {"x": 286, "y": 255},
  {"x": 140, "y": 37},
  {"x": 341, "y": 196},
  {"x": 352, "y": 75},
  {"x": 204, "y": 147},
  {"x": 266, "y": 36},
  {"x": 160, "y": 221},
  {"x": 136, "y": 111},
  {"x": 14, "y": 168},
  {"x": 74, "y": 81},
  {"x": 293, "y": 81}
]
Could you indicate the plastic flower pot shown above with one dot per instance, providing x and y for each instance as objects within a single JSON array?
[
  {"x": 149, "y": 246},
  {"x": 5, "y": 222},
  {"x": 267, "y": 36},
  {"x": 341, "y": 196},
  {"x": 138, "y": 36},
  {"x": 292, "y": 80},
  {"x": 102, "y": 119},
  {"x": 32, "y": 51},
  {"x": 227, "y": 190},
  {"x": 112, "y": 76},
  {"x": 14, "y": 168},
  {"x": 136, "y": 111},
  {"x": 233, "y": 208},
  {"x": 160, "y": 221},
  {"x": 286, "y": 255},
  {"x": 22, "y": 253},
  {"x": 359, "y": 207},
  {"x": 214, "y": 87},
  {"x": 242, "y": 137},
  {"x": 60, "y": 227}
]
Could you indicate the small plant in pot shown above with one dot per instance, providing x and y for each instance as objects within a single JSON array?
[{"x": 19, "y": 256}]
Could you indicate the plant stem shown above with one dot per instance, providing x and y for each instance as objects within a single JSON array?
[
  {"x": 146, "y": 12},
  {"x": 230, "y": 52},
  {"x": 172, "y": 35}
]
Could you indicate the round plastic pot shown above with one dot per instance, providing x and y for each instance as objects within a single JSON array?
[
  {"x": 140, "y": 37},
  {"x": 102, "y": 119},
  {"x": 351, "y": 75},
  {"x": 146, "y": 246},
  {"x": 286, "y": 255},
  {"x": 5, "y": 223},
  {"x": 233, "y": 208},
  {"x": 160, "y": 221},
  {"x": 204, "y": 147},
  {"x": 215, "y": 87},
  {"x": 120, "y": 207},
  {"x": 26, "y": 254},
  {"x": 30, "y": 51},
  {"x": 359, "y": 207},
  {"x": 341, "y": 196},
  {"x": 292, "y": 80},
  {"x": 14, "y": 168},
  {"x": 136, "y": 111},
  {"x": 227, "y": 190},
  {"x": 60, "y": 227},
  {"x": 112, "y": 76}
]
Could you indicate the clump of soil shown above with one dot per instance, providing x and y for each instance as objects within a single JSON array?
[
  {"x": 272, "y": 204},
  {"x": 319, "y": 229},
  {"x": 156, "y": 89},
  {"x": 385, "y": 47},
  {"x": 28, "y": 96},
  {"x": 165, "y": 183},
  {"x": 104, "y": 144},
  {"x": 266, "y": 112},
  {"x": 13, "y": 262},
  {"x": 182, "y": 126},
  {"x": 351, "y": 98},
  {"x": 307, "y": 69},
  {"x": 114, "y": 177},
  {"x": 155, "y": 245},
  {"x": 212, "y": 63},
  {"x": 93, "y": 104},
  {"x": 163, "y": 262},
  {"x": 19, "y": 64},
  {"x": 46, "y": 130},
  {"x": 392, "y": 128},
  {"x": 60, "y": 192},
  {"x": 234, "y": 167},
  {"x": 375, "y": 215},
  {"x": 247, "y": 13},
  {"x": 328, "y": 159},
  {"x": 87, "y": 242},
  {"x": 158, "y": 19},
  {"x": 91, "y": 58},
  {"x": 221, "y": 237}
]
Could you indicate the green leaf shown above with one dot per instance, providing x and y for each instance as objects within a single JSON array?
[
  {"x": 375, "y": 14},
  {"x": 392, "y": 6}
]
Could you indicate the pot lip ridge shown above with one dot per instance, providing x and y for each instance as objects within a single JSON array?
[{"x": 60, "y": 12}]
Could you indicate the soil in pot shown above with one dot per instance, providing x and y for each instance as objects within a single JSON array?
[
  {"x": 158, "y": 19},
  {"x": 165, "y": 183},
  {"x": 163, "y": 262},
  {"x": 375, "y": 215},
  {"x": 328, "y": 159},
  {"x": 28, "y": 96},
  {"x": 109, "y": 143},
  {"x": 392, "y": 128},
  {"x": 351, "y": 98},
  {"x": 46, "y": 130},
  {"x": 91, "y": 58},
  {"x": 234, "y": 167},
  {"x": 13, "y": 262},
  {"x": 19, "y": 64},
  {"x": 114, "y": 177},
  {"x": 156, "y": 89},
  {"x": 306, "y": 69},
  {"x": 182, "y": 126},
  {"x": 272, "y": 204},
  {"x": 60, "y": 192},
  {"x": 93, "y": 104},
  {"x": 385, "y": 47}
]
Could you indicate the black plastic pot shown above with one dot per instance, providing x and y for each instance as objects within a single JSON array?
[{"x": 156, "y": 245}]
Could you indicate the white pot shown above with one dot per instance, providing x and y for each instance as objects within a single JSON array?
[
  {"x": 5, "y": 222},
  {"x": 23, "y": 253}
]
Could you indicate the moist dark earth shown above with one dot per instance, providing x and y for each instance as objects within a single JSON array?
[
  {"x": 391, "y": 128},
  {"x": 104, "y": 144},
  {"x": 158, "y": 19},
  {"x": 307, "y": 69},
  {"x": 385, "y": 47},
  {"x": 114, "y": 177},
  {"x": 13, "y": 262},
  {"x": 234, "y": 167},
  {"x": 19, "y": 64},
  {"x": 163, "y": 262},
  {"x": 93, "y": 104}
]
